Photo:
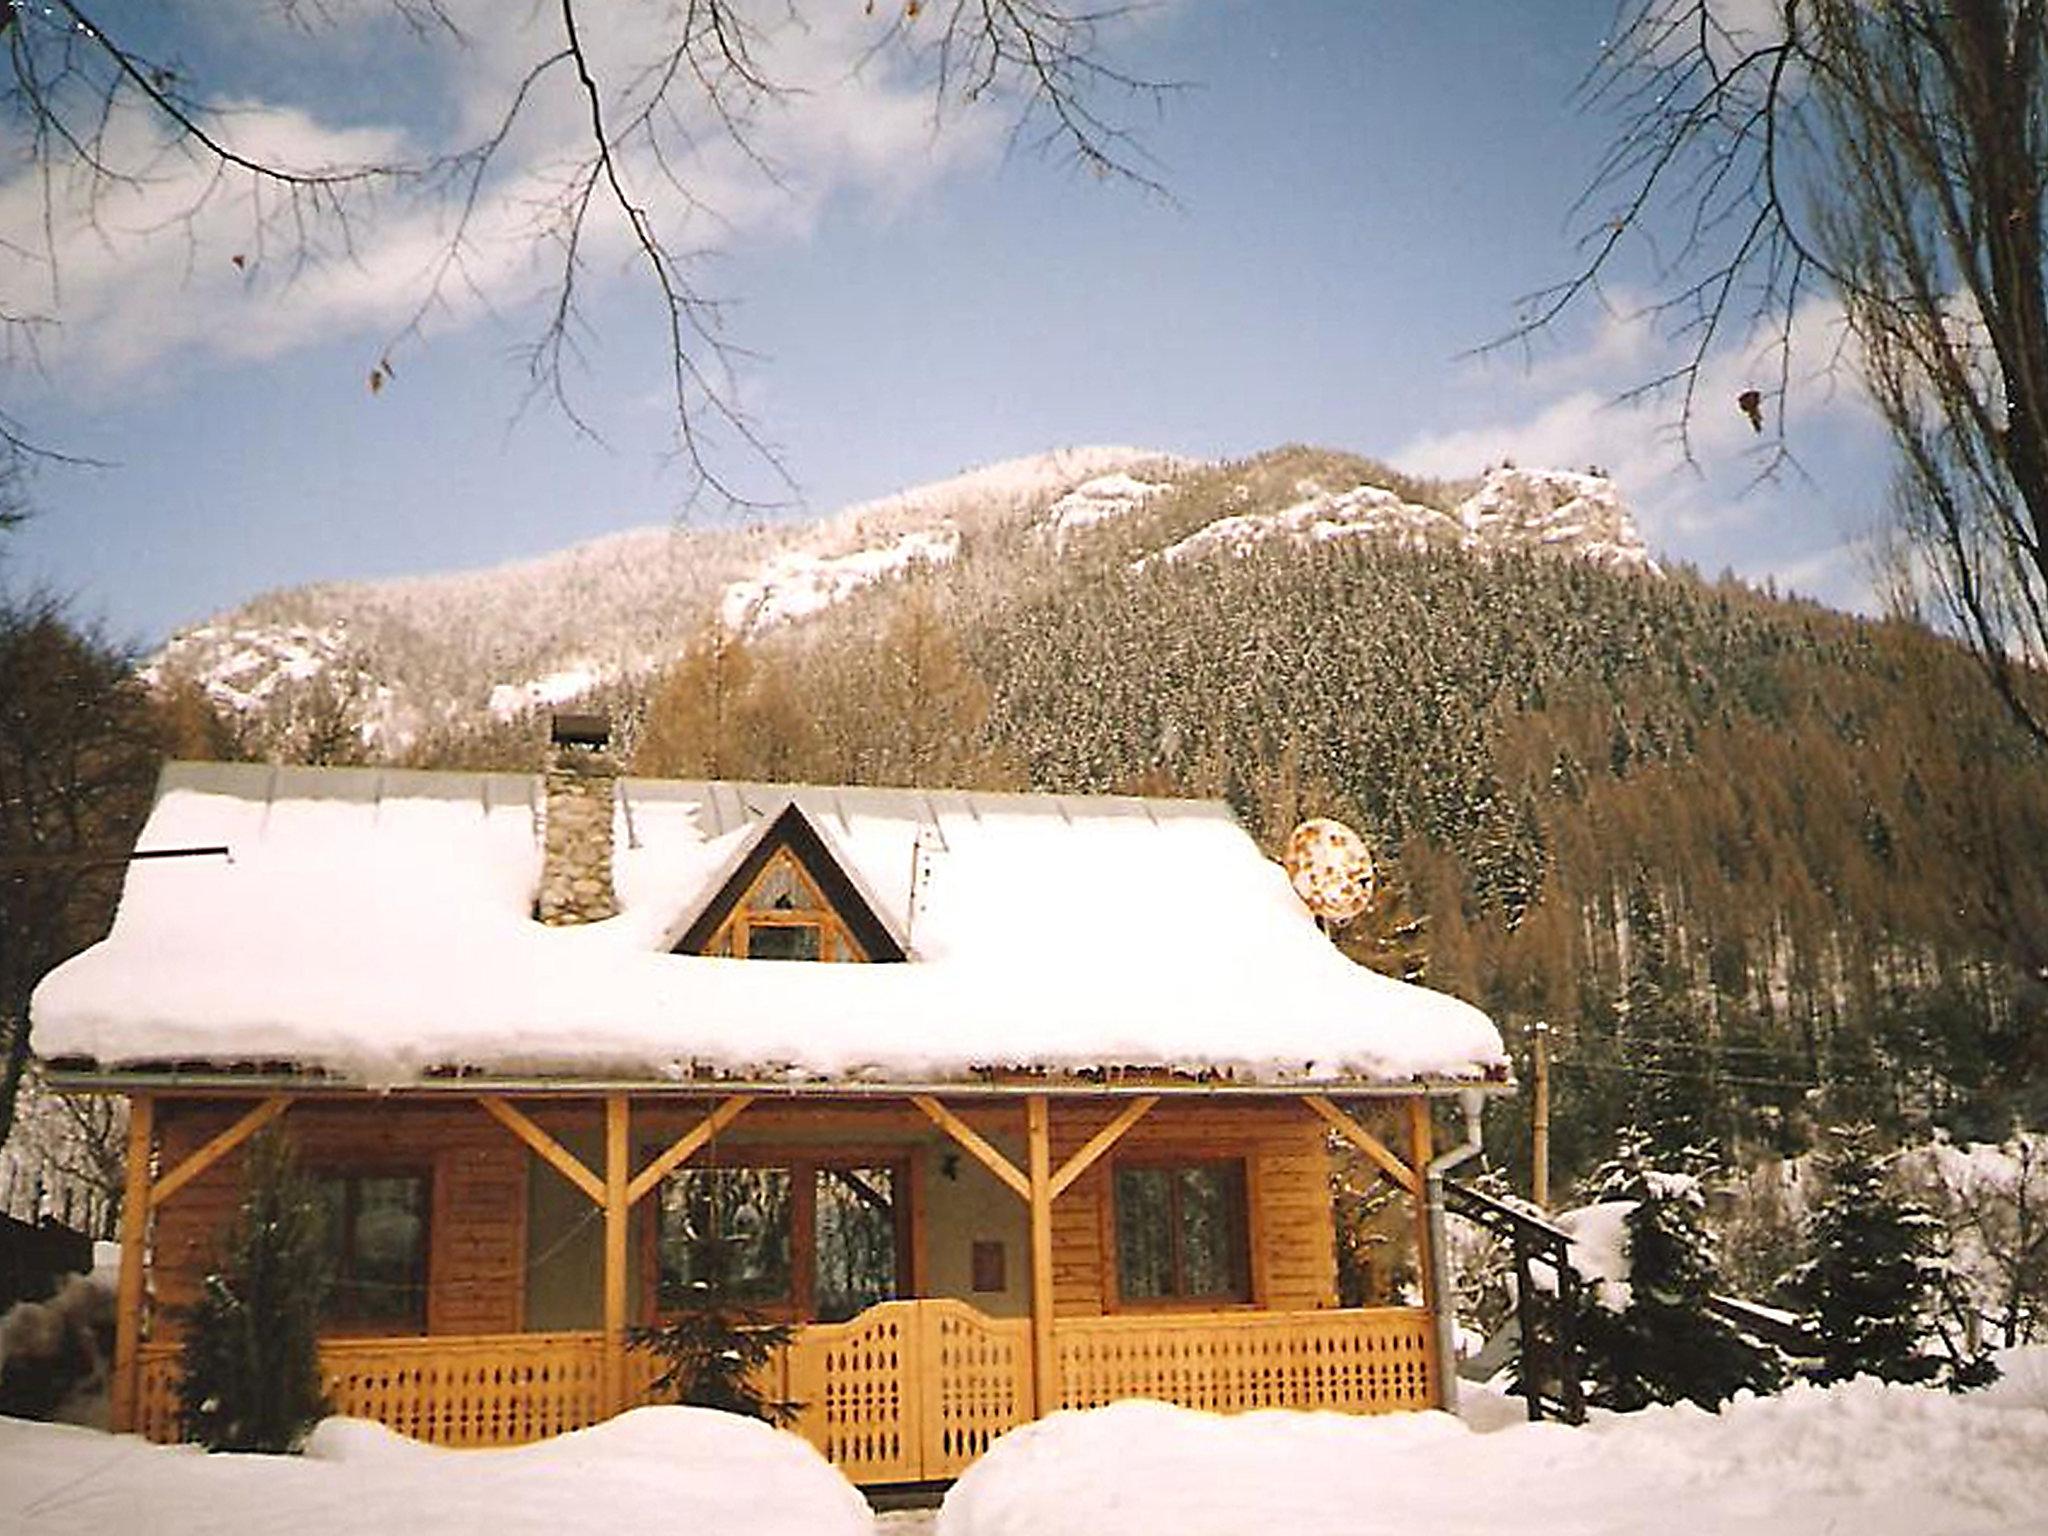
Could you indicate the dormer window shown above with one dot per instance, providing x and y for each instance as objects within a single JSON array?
[
  {"x": 789, "y": 898},
  {"x": 783, "y": 916}
]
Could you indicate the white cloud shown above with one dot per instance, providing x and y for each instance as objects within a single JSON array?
[
  {"x": 184, "y": 261},
  {"x": 1574, "y": 409},
  {"x": 1571, "y": 410}
]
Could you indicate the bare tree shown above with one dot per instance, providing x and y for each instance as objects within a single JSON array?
[
  {"x": 104, "y": 105},
  {"x": 1891, "y": 157},
  {"x": 1993, "y": 1205},
  {"x": 79, "y": 748}
]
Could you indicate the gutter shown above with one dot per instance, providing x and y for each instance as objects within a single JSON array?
[
  {"x": 1471, "y": 1101},
  {"x": 170, "y": 1080}
]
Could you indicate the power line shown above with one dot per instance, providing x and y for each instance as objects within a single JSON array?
[{"x": 1621, "y": 1069}]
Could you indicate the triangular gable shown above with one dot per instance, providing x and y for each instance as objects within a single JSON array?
[{"x": 791, "y": 833}]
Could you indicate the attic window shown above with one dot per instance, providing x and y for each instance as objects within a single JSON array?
[{"x": 783, "y": 916}]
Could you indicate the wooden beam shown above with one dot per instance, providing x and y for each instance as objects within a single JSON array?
[
  {"x": 1100, "y": 1143},
  {"x": 550, "y": 1151},
  {"x": 685, "y": 1147},
  {"x": 1365, "y": 1141},
  {"x": 1419, "y": 1153},
  {"x": 975, "y": 1143},
  {"x": 134, "y": 1252},
  {"x": 618, "y": 1210},
  {"x": 218, "y": 1148},
  {"x": 1044, "y": 1363}
]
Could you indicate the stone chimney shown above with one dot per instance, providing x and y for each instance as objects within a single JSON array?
[{"x": 576, "y": 835}]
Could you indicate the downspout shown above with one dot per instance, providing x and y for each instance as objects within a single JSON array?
[{"x": 1471, "y": 1101}]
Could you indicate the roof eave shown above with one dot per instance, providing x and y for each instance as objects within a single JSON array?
[{"x": 87, "y": 1078}]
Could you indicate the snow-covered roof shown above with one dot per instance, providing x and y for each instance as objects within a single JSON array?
[{"x": 376, "y": 925}]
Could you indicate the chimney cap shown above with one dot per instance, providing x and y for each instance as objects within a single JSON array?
[{"x": 580, "y": 731}]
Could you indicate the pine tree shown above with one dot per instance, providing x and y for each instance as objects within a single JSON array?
[
  {"x": 1663, "y": 1044},
  {"x": 712, "y": 1348},
  {"x": 1868, "y": 1291},
  {"x": 1666, "y": 1345},
  {"x": 250, "y": 1376}
]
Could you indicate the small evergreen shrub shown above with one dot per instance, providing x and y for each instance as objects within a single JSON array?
[
  {"x": 713, "y": 1348},
  {"x": 1871, "y": 1291},
  {"x": 251, "y": 1363},
  {"x": 1667, "y": 1345}
]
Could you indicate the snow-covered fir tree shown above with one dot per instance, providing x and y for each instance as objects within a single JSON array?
[
  {"x": 1666, "y": 1345},
  {"x": 250, "y": 1372},
  {"x": 1869, "y": 1290}
]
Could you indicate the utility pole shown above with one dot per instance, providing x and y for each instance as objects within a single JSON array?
[{"x": 1540, "y": 1152}]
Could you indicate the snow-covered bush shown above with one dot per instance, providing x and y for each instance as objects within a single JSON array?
[
  {"x": 1992, "y": 1203},
  {"x": 1654, "y": 1338},
  {"x": 1759, "y": 1215},
  {"x": 1481, "y": 1264},
  {"x": 55, "y": 1354}
]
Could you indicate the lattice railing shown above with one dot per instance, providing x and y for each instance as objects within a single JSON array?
[
  {"x": 908, "y": 1390},
  {"x": 490, "y": 1389},
  {"x": 156, "y": 1405},
  {"x": 1373, "y": 1360},
  {"x": 976, "y": 1382},
  {"x": 854, "y": 1382}
]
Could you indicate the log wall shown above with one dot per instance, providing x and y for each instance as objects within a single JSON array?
[
  {"x": 476, "y": 1226},
  {"x": 1287, "y": 1191}
]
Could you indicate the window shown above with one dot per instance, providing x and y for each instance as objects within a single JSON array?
[
  {"x": 726, "y": 1231},
  {"x": 814, "y": 1239},
  {"x": 784, "y": 917},
  {"x": 376, "y": 1234},
  {"x": 1180, "y": 1232}
]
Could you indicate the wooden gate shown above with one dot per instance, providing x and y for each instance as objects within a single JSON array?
[{"x": 910, "y": 1391}]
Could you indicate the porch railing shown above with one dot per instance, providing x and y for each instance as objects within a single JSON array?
[
  {"x": 1366, "y": 1360},
  {"x": 908, "y": 1390},
  {"x": 471, "y": 1390}
]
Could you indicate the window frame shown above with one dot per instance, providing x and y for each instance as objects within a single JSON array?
[
  {"x": 803, "y": 1163},
  {"x": 836, "y": 943},
  {"x": 1241, "y": 1167},
  {"x": 351, "y": 1175}
]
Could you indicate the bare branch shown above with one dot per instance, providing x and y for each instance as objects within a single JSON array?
[
  {"x": 1894, "y": 156},
  {"x": 100, "y": 114}
]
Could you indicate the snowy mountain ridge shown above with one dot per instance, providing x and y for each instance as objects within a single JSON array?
[
  {"x": 1521, "y": 510},
  {"x": 500, "y": 642}
]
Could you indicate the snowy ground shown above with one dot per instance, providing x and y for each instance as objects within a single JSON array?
[
  {"x": 1865, "y": 1458},
  {"x": 656, "y": 1469},
  {"x": 1862, "y": 1458}
]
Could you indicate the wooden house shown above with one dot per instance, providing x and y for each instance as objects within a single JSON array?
[{"x": 1045, "y": 1121}]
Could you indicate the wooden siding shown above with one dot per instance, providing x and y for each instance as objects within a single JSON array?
[
  {"x": 476, "y": 1226},
  {"x": 1287, "y": 1192},
  {"x": 480, "y": 1172}
]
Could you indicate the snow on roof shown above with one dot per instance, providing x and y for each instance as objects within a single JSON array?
[{"x": 375, "y": 924}]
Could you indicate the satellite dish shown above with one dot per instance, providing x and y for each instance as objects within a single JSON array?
[{"x": 1331, "y": 869}]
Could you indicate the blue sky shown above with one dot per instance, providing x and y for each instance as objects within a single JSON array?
[{"x": 1360, "y": 193}]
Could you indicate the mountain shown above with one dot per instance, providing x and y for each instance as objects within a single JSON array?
[
  {"x": 404, "y": 657},
  {"x": 1512, "y": 510}
]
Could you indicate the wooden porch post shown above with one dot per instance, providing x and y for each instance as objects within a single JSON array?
[
  {"x": 1420, "y": 1151},
  {"x": 617, "y": 1214},
  {"x": 1044, "y": 1367},
  {"x": 134, "y": 1235}
]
